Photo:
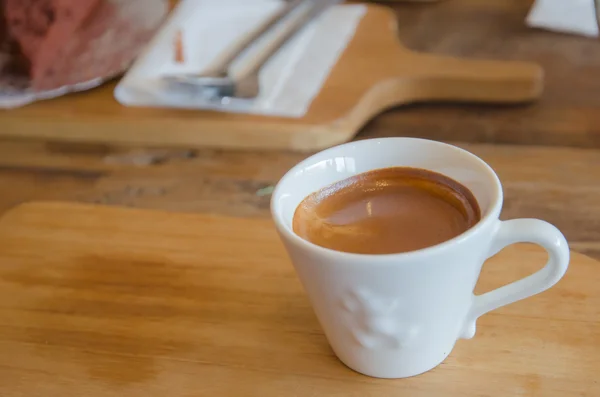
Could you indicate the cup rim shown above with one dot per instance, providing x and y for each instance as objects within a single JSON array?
[{"x": 491, "y": 215}]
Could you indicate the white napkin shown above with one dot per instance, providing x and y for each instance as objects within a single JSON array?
[
  {"x": 288, "y": 82},
  {"x": 569, "y": 16}
]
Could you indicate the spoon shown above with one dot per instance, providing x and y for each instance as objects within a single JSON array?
[
  {"x": 220, "y": 67},
  {"x": 246, "y": 85}
]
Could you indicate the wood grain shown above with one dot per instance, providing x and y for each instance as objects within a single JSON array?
[
  {"x": 375, "y": 72},
  {"x": 560, "y": 185},
  {"x": 99, "y": 301},
  {"x": 565, "y": 115}
]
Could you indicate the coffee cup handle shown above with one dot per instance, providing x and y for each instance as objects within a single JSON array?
[{"x": 522, "y": 231}]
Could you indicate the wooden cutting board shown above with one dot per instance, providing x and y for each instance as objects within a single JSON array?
[
  {"x": 374, "y": 73},
  {"x": 98, "y": 301}
]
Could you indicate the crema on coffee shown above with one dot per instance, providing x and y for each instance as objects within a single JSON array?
[{"x": 385, "y": 211}]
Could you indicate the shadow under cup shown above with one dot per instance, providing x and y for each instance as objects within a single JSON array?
[{"x": 344, "y": 161}]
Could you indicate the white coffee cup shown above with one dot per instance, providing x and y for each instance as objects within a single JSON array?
[{"x": 399, "y": 315}]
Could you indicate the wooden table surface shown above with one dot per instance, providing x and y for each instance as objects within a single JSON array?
[
  {"x": 547, "y": 154},
  {"x": 99, "y": 302},
  {"x": 567, "y": 113},
  {"x": 560, "y": 185}
]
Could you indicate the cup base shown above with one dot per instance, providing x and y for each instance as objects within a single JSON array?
[{"x": 386, "y": 370}]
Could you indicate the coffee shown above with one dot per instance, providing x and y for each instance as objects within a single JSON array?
[{"x": 384, "y": 211}]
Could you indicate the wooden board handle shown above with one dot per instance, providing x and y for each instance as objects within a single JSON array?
[{"x": 436, "y": 78}]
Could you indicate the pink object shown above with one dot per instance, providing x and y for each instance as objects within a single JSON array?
[
  {"x": 67, "y": 42},
  {"x": 43, "y": 30}
]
